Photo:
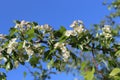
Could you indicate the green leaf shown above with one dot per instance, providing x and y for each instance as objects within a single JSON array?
[
  {"x": 80, "y": 46},
  {"x": 30, "y": 34},
  {"x": 62, "y": 29},
  {"x": 83, "y": 65},
  {"x": 34, "y": 61},
  {"x": 50, "y": 64},
  {"x": 115, "y": 32},
  {"x": 90, "y": 74},
  {"x": 13, "y": 31},
  {"x": 20, "y": 45},
  {"x": 114, "y": 72},
  {"x": 117, "y": 53}
]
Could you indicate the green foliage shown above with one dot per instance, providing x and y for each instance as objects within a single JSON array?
[
  {"x": 114, "y": 72},
  {"x": 92, "y": 53},
  {"x": 89, "y": 75},
  {"x": 30, "y": 34}
]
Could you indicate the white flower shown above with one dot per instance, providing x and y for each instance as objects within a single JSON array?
[
  {"x": 59, "y": 44},
  {"x": 37, "y": 27},
  {"x": 9, "y": 50},
  {"x": 37, "y": 45},
  {"x": 107, "y": 35},
  {"x": 70, "y": 32},
  {"x": 29, "y": 51},
  {"x": 23, "y": 23},
  {"x": 76, "y": 23},
  {"x": 106, "y": 29},
  {"x": 45, "y": 27},
  {"x": 27, "y": 48},
  {"x": 17, "y": 25},
  {"x": 12, "y": 44},
  {"x": 73, "y": 24},
  {"x": 64, "y": 49},
  {"x": 56, "y": 44},
  {"x": 66, "y": 55},
  {"x": 79, "y": 29}
]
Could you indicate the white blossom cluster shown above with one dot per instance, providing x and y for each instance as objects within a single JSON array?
[
  {"x": 66, "y": 53},
  {"x": 23, "y": 25},
  {"x": 12, "y": 45},
  {"x": 77, "y": 28},
  {"x": 106, "y": 31},
  {"x": 45, "y": 27},
  {"x": 28, "y": 48},
  {"x": 70, "y": 33}
]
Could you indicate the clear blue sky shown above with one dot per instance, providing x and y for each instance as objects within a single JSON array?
[{"x": 53, "y": 12}]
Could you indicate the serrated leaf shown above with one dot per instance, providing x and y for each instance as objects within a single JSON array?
[{"x": 114, "y": 72}]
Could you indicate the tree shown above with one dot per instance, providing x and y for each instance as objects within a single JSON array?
[{"x": 95, "y": 53}]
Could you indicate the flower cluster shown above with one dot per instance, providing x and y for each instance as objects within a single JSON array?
[
  {"x": 70, "y": 33},
  {"x": 12, "y": 45},
  {"x": 106, "y": 31},
  {"x": 27, "y": 48},
  {"x": 23, "y": 25},
  {"x": 45, "y": 27},
  {"x": 78, "y": 28},
  {"x": 66, "y": 53}
]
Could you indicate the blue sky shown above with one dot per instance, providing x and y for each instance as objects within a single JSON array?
[{"x": 53, "y": 12}]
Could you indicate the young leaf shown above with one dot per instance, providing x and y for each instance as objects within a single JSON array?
[
  {"x": 62, "y": 29},
  {"x": 90, "y": 74},
  {"x": 114, "y": 72},
  {"x": 117, "y": 53}
]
